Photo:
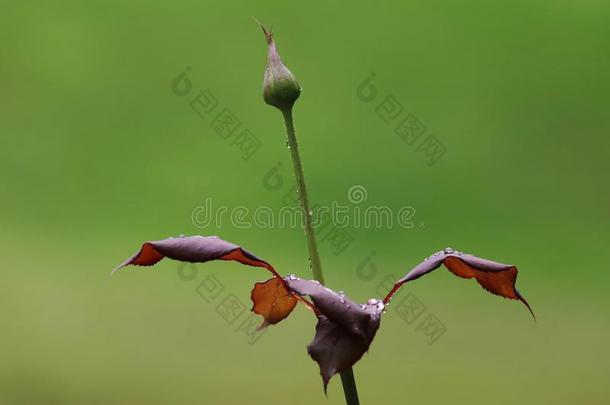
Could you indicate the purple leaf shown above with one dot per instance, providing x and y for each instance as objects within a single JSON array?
[
  {"x": 497, "y": 278},
  {"x": 344, "y": 331},
  {"x": 194, "y": 249},
  {"x": 271, "y": 299}
]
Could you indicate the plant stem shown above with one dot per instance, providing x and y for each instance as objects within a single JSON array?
[
  {"x": 347, "y": 377},
  {"x": 314, "y": 256},
  {"x": 349, "y": 387}
]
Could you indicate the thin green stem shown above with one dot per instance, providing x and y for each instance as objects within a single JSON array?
[
  {"x": 314, "y": 256},
  {"x": 347, "y": 377}
]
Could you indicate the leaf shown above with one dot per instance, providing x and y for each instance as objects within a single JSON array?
[
  {"x": 497, "y": 278},
  {"x": 272, "y": 300},
  {"x": 334, "y": 349},
  {"x": 344, "y": 331},
  {"x": 194, "y": 249}
]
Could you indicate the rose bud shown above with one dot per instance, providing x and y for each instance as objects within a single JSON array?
[{"x": 280, "y": 87}]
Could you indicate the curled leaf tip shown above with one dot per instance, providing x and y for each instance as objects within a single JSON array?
[
  {"x": 148, "y": 255},
  {"x": 524, "y": 301},
  {"x": 119, "y": 267}
]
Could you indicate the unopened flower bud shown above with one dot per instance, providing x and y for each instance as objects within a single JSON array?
[{"x": 280, "y": 87}]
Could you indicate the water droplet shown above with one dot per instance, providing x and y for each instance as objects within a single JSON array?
[{"x": 448, "y": 251}]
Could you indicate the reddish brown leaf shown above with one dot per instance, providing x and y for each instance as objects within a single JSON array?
[
  {"x": 344, "y": 331},
  {"x": 272, "y": 300},
  {"x": 497, "y": 278},
  {"x": 499, "y": 283},
  {"x": 194, "y": 249}
]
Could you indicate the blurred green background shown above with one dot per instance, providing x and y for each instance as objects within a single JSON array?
[{"x": 97, "y": 155}]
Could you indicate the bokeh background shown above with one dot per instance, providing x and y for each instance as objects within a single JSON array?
[{"x": 98, "y": 154}]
